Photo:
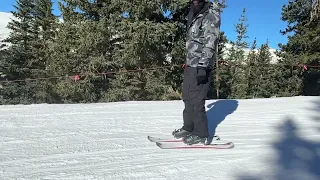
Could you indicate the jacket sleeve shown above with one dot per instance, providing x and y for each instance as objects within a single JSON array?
[{"x": 211, "y": 30}]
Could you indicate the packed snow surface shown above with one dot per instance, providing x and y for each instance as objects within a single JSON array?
[{"x": 276, "y": 138}]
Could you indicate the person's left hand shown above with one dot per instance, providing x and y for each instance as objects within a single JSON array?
[{"x": 201, "y": 75}]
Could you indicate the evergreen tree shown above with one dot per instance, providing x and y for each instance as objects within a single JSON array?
[
  {"x": 177, "y": 49},
  {"x": 234, "y": 73},
  {"x": 18, "y": 61},
  {"x": 302, "y": 48},
  {"x": 148, "y": 39},
  {"x": 26, "y": 56},
  {"x": 251, "y": 63},
  {"x": 84, "y": 46},
  {"x": 262, "y": 74},
  {"x": 2, "y": 75},
  {"x": 44, "y": 25},
  {"x": 220, "y": 90}
]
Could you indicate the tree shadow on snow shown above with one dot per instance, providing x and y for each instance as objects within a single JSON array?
[
  {"x": 297, "y": 158},
  {"x": 217, "y": 112}
]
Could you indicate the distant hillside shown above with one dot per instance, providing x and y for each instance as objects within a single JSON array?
[{"x": 272, "y": 51}]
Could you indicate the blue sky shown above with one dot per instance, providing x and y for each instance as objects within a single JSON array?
[{"x": 263, "y": 19}]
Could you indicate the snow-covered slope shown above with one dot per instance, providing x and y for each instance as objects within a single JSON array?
[{"x": 274, "y": 139}]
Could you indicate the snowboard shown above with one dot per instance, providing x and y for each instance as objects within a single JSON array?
[{"x": 172, "y": 143}]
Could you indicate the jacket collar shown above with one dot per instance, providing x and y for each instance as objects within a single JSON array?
[{"x": 201, "y": 13}]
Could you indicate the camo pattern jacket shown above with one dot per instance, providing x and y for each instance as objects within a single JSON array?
[{"x": 203, "y": 36}]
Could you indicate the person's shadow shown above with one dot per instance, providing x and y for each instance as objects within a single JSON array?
[{"x": 217, "y": 112}]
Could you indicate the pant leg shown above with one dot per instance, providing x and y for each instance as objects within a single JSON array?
[
  {"x": 188, "y": 114},
  {"x": 197, "y": 96},
  {"x": 200, "y": 121}
]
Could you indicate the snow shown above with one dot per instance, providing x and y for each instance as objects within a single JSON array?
[
  {"x": 5, "y": 18},
  {"x": 275, "y": 138}
]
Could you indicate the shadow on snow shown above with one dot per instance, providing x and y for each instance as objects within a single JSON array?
[
  {"x": 297, "y": 158},
  {"x": 217, "y": 112}
]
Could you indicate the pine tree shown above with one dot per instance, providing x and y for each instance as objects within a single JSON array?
[
  {"x": 26, "y": 56},
  {"x": 302, "y": 48},
  {"x": 3, "y": 54},
  {"x": 84, "y": 46},
  {"x": 18, "y": 62},
  {"x": 234, "y": 72},
  {"x": 251, "y": 63},
  {"x": 219, "y": 90},
  {"x": 20, "y": 39},
  {"x": 262, "y": 76},
  {"x": 177, "y": 50},
  {"x": 148, "y": 39},
  {"x": 44, "y": 26}
]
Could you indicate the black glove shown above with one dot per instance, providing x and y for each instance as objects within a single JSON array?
[{"x": 202, "y": 77}]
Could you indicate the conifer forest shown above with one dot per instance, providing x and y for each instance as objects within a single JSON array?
[{"x": 111, "y": 50}]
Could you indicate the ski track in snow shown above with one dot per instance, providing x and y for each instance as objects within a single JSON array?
[{"x": 109, "y": 140}]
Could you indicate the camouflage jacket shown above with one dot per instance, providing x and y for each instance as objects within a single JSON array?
[{"x": 203, "y": 36}]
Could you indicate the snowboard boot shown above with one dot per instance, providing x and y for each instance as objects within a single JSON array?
[
  {"x": 180, "y": 133},
  {"x": 194, "y": 139}
]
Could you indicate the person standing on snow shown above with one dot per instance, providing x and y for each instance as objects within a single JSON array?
[{"x": 203, "y": 29}]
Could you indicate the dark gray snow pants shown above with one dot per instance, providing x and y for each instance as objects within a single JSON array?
[{"x": 194, "y": 95}]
